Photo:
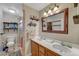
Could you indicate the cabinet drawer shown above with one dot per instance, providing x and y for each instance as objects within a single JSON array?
[
  {"x": 51, "y": 53},
  {"x": 34, "y": 53},
  {"x": 42, "y": 49},
  {"x": 41, "y": 54},
  {"x": 35, "y": 49}
]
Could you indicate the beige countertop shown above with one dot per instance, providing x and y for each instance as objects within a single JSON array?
[{"x": 73, "y": 51}]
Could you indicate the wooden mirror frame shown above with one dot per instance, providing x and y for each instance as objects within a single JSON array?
[{"x": 65, "y": 31}]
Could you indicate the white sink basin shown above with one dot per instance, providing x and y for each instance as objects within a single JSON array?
[
  {"x": 65, "y": 50},
  {"x": 60, "y": 48},
  {"x": 57, "y": 46},
  {"x": 49, "y": 40}
]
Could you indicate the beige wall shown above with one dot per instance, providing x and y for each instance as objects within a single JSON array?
[
  {"x": 28, "y": 12},
  {"x": 73, "y": 29}
]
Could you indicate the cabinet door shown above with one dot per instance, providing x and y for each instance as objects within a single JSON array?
[
  {"x": 51, "y": 53},
  {"x": 34, "y": 47},
  {"x": 41, "y": 54},
  {"x": 42, "y": 50}
]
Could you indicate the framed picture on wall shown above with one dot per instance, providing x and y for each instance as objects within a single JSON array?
[{"x": 76, "y": 19}]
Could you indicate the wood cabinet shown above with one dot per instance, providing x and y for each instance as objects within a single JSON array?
[
  {"x": 34, "y": 47},
  {"x": 42, "y": 51},
  {"x": 39, "y": 50}
]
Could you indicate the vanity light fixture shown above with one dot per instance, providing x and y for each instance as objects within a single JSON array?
[{"x": 51, "y": 11}]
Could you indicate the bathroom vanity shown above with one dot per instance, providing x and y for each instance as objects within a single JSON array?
[
  {"x": 39, "y": 50},
  {"x": 53, "y": 47}
]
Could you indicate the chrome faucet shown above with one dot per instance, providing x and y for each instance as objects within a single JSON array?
[{"x": 67, "y": 45}]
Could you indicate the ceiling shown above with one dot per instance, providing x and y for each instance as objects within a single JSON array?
[
  {"x": 37, "y": 6},
  {"x": 18, "y": 7},
  {"x": 14, "y": 6}
]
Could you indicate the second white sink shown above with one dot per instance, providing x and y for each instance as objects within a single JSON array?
[{"x": 60, "y": 48}]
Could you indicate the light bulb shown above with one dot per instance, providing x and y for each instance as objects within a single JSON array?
[
  {"x": 49, "y": 12},
  {"x": 45, "y": 14},
  {"x": 57, "y": 11},
  {"x": 55, "y": 8}
]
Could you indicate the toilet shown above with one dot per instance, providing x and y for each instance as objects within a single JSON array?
[{"x": 11, "y": 41}]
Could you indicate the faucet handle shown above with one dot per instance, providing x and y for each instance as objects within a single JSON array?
[{"x": 66, "y": 44}]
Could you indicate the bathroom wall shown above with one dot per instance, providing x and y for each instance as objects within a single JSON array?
[
  {"x": 27, "y": 13},
  {"x": 73, "y": 29}
]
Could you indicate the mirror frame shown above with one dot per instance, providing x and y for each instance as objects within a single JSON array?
[{"x": 65, "y": 31}]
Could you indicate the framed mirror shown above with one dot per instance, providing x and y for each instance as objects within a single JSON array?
[{"x": 56, "y": 23}]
